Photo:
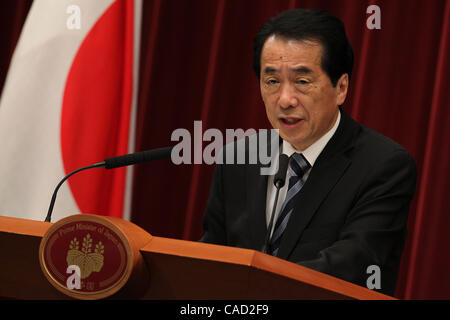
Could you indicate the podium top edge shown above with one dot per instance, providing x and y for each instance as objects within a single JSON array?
[{"x": 23, "y": 226}]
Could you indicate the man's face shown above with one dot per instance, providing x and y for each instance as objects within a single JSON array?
[{"x": 299, "y": 97}]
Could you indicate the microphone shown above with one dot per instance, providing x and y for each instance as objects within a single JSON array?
[
  {"x": 279, "y": 181},
  {"x": 138, "y": 157},
  {"x": 115, "y": 162}
]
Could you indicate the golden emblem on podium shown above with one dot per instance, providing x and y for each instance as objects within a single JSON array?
[
  {"x": 86, "y": 256},
  {"x": 85, "y": 259}
]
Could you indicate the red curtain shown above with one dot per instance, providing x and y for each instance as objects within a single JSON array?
[
  {"x": 196, "y": 64},
  {"x": 12, "y": 17}
]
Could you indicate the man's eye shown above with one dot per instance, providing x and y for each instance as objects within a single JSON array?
[
  {"x": 272, "y": 81},
  {"x": 301, "y": 81}
]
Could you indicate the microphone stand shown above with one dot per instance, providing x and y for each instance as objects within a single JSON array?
[
  {"x": 52, "y": 202},
  {"x": 269, "y": 229}
]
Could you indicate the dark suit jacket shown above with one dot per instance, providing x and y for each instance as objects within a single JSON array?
[{"x": 351, "y": 213}]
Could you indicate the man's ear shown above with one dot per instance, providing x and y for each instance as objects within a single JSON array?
[{"x": 341, "y": 89}]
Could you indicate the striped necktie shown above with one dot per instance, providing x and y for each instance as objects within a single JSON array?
[{"x": 298, "y": 166}]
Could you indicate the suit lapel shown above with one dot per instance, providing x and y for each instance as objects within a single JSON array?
[
  {"x": 328, "y": 169},
  {"x": 256, "y": 192},
  {"x": 256, "y": 188},
  {"x": 315, "y": 190}
]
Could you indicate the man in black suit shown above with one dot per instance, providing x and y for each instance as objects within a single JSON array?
[{"x": 348, "y": 188}]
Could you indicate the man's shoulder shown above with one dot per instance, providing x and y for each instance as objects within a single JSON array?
[
  {"x": 376, "y": 148},
  {"x": 369, "y": 139}
]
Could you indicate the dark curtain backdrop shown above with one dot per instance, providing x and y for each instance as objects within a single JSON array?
[{"x": 196, "y": 64}]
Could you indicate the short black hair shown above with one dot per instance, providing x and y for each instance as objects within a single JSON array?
[{"x": 313, "y": 25}]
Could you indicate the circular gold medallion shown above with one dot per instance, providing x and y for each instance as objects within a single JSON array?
[{"x": 85, "y": 256}]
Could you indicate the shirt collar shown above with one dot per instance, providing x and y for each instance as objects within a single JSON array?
[{"x": 313, "y": 151}]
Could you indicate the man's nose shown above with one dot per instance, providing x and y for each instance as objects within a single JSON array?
[{"x": 288, "y": 96}]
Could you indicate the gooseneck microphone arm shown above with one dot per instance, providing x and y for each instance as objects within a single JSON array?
[
  {"x": 278, "y": 181},
  {"x": 52, "y": 202},
  {"x": 115, "y": 162}
]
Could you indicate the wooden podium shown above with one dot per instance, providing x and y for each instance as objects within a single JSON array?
[{"x": 155, "y": 268}]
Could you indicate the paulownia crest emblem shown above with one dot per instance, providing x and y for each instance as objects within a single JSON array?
[{"x": 85, "y": 259}]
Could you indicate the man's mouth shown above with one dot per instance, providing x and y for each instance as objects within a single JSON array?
[{"x": 290, "y": 122}]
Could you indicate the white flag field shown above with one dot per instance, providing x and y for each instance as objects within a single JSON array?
[{"x": 69, "y": 101}]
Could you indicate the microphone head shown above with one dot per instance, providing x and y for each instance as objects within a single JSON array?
[
  {"x": 138, "y": 157},
  {"x": 280, "y": 176}
]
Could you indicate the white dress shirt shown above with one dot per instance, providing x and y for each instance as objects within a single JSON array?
[{"x": 311, "y": 154}]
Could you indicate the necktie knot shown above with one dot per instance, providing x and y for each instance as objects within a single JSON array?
[{"x": 298, "y": 164}]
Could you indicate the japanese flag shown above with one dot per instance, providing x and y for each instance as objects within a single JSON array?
[{"x": 68, "y": 102}]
